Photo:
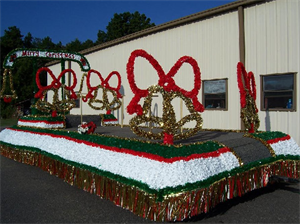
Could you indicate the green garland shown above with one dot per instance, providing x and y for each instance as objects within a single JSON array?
[
  {"x": 165, "y": 151},
  {"x": 269, "y": 135},
  {"x": 108, "y": 116},
  {"x": 43, "y": 118}
]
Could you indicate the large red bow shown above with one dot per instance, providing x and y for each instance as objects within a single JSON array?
[
  {"x": 103, "y": 82},
  {"x": 55, "y": 82},
  {"x": 165, "y": 80}
]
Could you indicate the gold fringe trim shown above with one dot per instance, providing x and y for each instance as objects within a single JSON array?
[{"x": 174, "y": 206}]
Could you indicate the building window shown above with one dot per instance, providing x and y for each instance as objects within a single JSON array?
[
  {"x": 215, "y": 94},
  {"x": 278, "y": 92}
]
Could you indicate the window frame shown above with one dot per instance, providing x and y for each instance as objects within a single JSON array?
[
  {"x": 262, "y": 93},
  {"x": 226, "y": 94}
]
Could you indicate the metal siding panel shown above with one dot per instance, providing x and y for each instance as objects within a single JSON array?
[
  {"x": 275, "y": 24},
  {"x": 293, "y": 34},
  {"x": 282, "y": 33},
  {"x": 212, "y": 42},
  {"x": 271, "y": 50}
]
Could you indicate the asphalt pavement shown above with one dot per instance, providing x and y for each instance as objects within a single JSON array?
[{"x": 31, "y": 195}]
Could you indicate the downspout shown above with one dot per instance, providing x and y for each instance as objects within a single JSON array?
[
  {"x": 69, "y": 73},
  {"x": 69, "y": 77},
  {"x": 241, "y": 19},
  {"x": 241, "y": 34}
]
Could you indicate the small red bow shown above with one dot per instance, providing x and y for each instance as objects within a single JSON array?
[
  {"x": 103, "y": 82},
  {"x": 92, "y": 126},
  {"x": 55, "y": 82},
  {"x": 7, "y": 99}
]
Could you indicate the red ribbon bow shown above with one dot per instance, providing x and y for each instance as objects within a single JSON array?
[
  {"x": 7, "y": 99},
  {"x": 247, "y": 84},
  {"x": 104, "y": 83},
  {"x": 165, "y": 80},
  {"x": 55, "y": 82}
]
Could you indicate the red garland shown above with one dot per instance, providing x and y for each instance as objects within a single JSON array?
[
  {"x": 253, "y": 85},
  {"x": 241, "y": 71},
  {"x": 165, "y": 80},
  {"x": 247, "y": 84},
  {"x": 42, "y": 121},
  {"x": 103, "y": 82},
  {"x": 107, "y": 120},
  {"x": 55, "y": 82},
  {"x": 54, "y": 113},
  {"x": 273, "y": 141},
  {"x": 168, "y": 139},
  {"x": 7, "y": 99},
  {"x": 71, "y": 88},
  {"x": 251, "y": 130},
  {"x": 39, "y": 94},
  {"x": 92, "y": 126}
]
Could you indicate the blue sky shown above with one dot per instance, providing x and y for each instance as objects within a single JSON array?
[{"x": 70, "y": 19}]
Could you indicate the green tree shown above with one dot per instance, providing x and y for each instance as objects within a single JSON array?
[
  {"x": 45, "y": 43},
  {"x": 87, "y": 44},
  {"x": 28, "y": 41},
  {"x": 77, "y": 45},
  {"x": 101, "y": 37},
  {"x": 12, "y": 39},
  {"x": 124, "y": 24},
  {"x": 23, "y": 79},
  {"x": 74, "y": 46}
]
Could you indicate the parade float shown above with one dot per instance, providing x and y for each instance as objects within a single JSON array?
[{"x": 161, "y": 178}]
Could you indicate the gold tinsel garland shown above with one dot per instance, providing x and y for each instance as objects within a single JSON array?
[
  {"x": 5, "y": 97},
  {"x": 249, "y": 113},
  {"x": 81, "y": 84},
  {"x": 63, "y": 106},
  {"x": 105, "y": 104},
  {"x": 168, "y": 121},
  {"x": 174, "y": 206},
  {"x": 247, "y": 87}
]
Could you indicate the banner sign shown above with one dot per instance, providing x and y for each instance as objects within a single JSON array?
[{"x": 55, "y": 55}]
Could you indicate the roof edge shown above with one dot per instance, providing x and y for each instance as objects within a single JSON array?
[{"x": 174, "y": 23}]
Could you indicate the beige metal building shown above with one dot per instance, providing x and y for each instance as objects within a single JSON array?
[{"x": 263, "y": 34}]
